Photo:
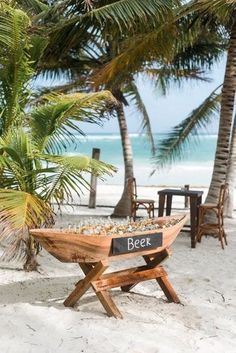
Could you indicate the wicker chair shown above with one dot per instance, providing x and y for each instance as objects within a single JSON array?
[
  {"x": 207, "y": 228},
  {"x": 137, "y": 203}
]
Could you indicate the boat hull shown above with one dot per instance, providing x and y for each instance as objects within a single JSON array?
[{"x": 73, "y": 247}]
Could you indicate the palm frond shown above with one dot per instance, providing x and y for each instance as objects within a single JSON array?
[
  {"x": 32, "y": 6},
  {"x": 125, "y": 13},
  {"x": 68, "y": 177},
  {"x": 36, "y": 49},
  {"x": 168, "y": 75},
  {"x": 15, "y": 69},
  {"x": 60, "y": 116},
  {"x": 220, "y": 9},
  {"x": 13, "y": 24},
  {"x": 136, "y": 98},
  {"x": 20, "y": 211},
  {"x": 180, "y": 44},
  {"x": 173, "y": 147},
  {"x": 136, "y": 54}
]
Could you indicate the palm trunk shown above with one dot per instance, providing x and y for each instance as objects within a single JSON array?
[
  {"x": 231, "y": 177},
  {"x": 123, "y": 207},
  {"x": 31, "y": 263},
  {"x": 226, "y": 116}
]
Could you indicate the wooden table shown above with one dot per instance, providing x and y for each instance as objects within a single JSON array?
[{"x": 195, "y": 197}]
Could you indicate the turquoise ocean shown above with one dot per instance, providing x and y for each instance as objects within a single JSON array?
[{"x": 195, "y": 168}]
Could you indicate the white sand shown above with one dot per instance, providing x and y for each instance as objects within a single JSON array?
[{"x": 33, "y": 318}]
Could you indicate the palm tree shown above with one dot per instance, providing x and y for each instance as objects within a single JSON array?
[
  {"x": 111, "y": 54},
  {"x": 217, "y": 16},
  {"x": 173, "y": 146},
  {"x": 223, "y": 13},
  {"x": 31, "y": 181},
  {"x": 33, "y": 173},
  {"x": 231, "y": 177}
]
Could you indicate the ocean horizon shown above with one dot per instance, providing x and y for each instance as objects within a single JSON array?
[{"x": 195, "y": 167}]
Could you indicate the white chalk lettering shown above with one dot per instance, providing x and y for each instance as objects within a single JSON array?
[
  {"x": 138, "y": 243},
  {"x": 148, "y": 242},
  {"x": 130, "y": 244},
  {"x": 142, "y": 243}
]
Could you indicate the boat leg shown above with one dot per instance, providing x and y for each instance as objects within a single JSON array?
[
  {"x": 103, "y": 296},
  {"x": 83, "y": 285},
  {"x": 151, "y": 261}
]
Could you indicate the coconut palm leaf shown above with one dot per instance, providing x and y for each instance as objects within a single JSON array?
[
  {"x": 33, "y": 6},
  {"x": 57, "y": 117},
  {"x": 221, "y": 9},
  {"x": 125, "y": 13},
  {"x": 68, "y": 176},
  {"x": 13, "y": 24},
  {"x": 111, "y": 18},
  {"x": 136, "y": 98},
  {"x": 138, "y": 52},
  {"x": 173, "y": 147},
  {"x": 20, "y": 211},
  {"x": 15, "y": 69},
  {"x": 167, "y": 76},
  {"x": 36, "y": 49}
]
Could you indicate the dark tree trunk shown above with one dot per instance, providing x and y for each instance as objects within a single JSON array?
[
  {"x": 123, "y": 207},
  {"x": 231, "y": 174},
  {"x": 226, "y": 118},
  {"x": 31, "y": 263}
]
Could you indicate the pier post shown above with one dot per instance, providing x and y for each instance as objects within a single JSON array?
[{"x": 93, "y": 182}]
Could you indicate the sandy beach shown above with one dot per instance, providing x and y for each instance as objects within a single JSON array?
[{"x": 33, "y": 318}]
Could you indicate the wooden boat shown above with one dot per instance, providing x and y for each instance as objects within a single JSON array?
[{"x": 68, "y": 246}]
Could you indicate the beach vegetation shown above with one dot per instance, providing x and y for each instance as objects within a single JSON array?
[
  {"x": 34, "y": 172},
  {"x": 218, "y": 17},
  {"x": 109, "y": 45},
  {"x": 84, "y": 38}
]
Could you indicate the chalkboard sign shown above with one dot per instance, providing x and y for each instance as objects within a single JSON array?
[{"x": 125, "y": 245}]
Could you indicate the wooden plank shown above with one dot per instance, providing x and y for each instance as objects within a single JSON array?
[
  {"x": 122, "y": 272},
  {"x": 103, "y": 296},
  {"x": 168, "y": 289},
  {"x": 122, "y": 280},
  {"x": 164, "y": 282},
  {"x": 151, "y": 261},
  {"x": 109, "y": 304},
  {"x": 157, "y": 259},
  {"x": 84, "y": 284}
]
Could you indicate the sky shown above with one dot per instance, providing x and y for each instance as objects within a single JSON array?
[
  {"x": 164, "y": 111},
  {"x": 167, "y": 111}
]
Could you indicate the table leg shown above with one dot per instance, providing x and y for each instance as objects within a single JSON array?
[
  {"x": 168, "y": 205},
  {"x": 199, "y": 201},
  {"x": 161, "y": 205},
  {"x": 193, "y": 219}
]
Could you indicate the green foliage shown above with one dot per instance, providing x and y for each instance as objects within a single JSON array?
[
  {"x": 33, "y": 175},
  {"x": 172, "y": 148},
  {"x": 107, "y": 43},
  {"x": 221, "y": 10},
  {"x": 15, "y": 70}
]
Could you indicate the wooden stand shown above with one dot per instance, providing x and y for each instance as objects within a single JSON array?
[
  {"x": 126, "y": 279},
  {"x": 94, "y": 253}
]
